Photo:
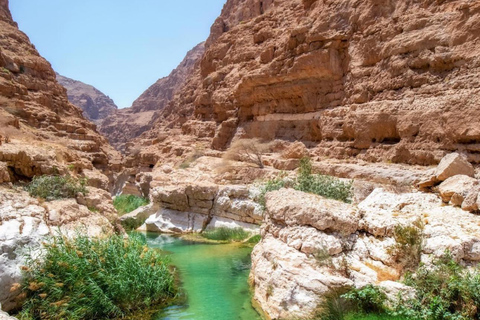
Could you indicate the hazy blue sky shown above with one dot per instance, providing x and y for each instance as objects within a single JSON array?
[{"x": 119, "y": 46}]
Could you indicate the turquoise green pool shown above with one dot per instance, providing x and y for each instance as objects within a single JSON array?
[{"x": 214, "y": 278}]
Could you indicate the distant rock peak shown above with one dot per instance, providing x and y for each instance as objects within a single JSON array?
[{"x": 95, "y": 104}]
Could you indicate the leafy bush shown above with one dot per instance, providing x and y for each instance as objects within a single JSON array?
[
  {"x": 224, "y": 234},
  {"x": 325, "y": 186},
  {"x": 367, "y": 299},
  {"x": 367, "y": 303},
  {"x": 56, "y": 187},
  {"x": 87, "y": 278},
  {"x": 333, "y": 307},
  {"x": 126, "y": 203},
  {"x": 270, "y": 185},
  {"x": 362, "y": 316},
  {"x": 408, "y": 245},
  {"x": 446, "y": 291}
]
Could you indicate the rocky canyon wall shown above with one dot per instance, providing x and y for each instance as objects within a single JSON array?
[
  {"x": 41, "y": 132},
  {"x": 390, "y": 80}
]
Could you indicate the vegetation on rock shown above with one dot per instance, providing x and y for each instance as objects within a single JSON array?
[
  {"x": 225, "y": 234},
  {"x": 306, "y": 181},
  {"x": 126, "y": 203},
  {"x": 56, "y": 187},
  {"x": 323, "y": 185},
  {"x": 86, "y": 278},
  {"x": 408, "y": 245},
  {"x": 444, "y": 291}
]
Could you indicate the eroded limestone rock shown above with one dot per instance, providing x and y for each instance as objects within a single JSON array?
[
  {"x": 453, "y": 164},
  {"x": 300, "y": 242}
]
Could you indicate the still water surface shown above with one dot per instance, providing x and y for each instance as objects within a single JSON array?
[{"x": 214, "y": 278}]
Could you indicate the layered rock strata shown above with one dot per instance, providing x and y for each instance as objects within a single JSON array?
[
  {"x": 199, "y": 206},
  {"x": 394, "y": 82}
]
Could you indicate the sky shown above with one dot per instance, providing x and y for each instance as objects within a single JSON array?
[{"x": 120, "y": 47}]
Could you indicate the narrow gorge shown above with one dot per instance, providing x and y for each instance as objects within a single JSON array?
[{"x": 311, "y": 159}]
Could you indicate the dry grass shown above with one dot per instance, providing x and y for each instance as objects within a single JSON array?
[
  {"x": 384, "y": 274},
  {"x": 247, "y": 150}
]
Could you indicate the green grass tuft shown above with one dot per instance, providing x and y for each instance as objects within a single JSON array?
[
  {"x": 126, "y": 203},
  {"x": 255, "y": 239},
  {"x": 325, "y": 186},
  {"x": 225, "y": 234},
  {"x": 56, "y": 187},
  {"x": 86, "y": 278}
]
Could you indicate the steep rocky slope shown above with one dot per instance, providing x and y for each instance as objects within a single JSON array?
[
  {"x": 394, "y": 81},
  {"x": 95, "y": 104},
  {"x": 127, "y": 124},
  {"x": 42, "y": 133}
]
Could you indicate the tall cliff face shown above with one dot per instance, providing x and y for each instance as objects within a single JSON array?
[
  {"x": 394, "y": 80},
  {"x": 127, "y": 124},
  {"x": 95, "y": 104},
  {"x": 41, "y": 132}
]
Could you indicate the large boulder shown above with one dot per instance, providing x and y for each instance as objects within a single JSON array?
[
  {"x": 453, "y": 164},
  {"x": 172, "y": 221},
  {"x": 291, "y": 207},
  {"x": 5, "y": 316},
  {"x": 471, "y": 202},
  {"x": 455, "y": 189},
  {"x": 296, "y": 150}
]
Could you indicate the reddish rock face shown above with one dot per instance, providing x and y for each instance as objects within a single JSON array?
[
  {"x": 394, "y": 81},
  {"x": 40, "y": 131}
]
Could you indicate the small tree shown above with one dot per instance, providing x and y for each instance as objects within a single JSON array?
[{"x": 247, "y": 150}]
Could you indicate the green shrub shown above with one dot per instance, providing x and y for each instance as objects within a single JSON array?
[
  {"x": 88, "y": 278},
  {"x": 270, "y": 185},
  {"x": 408, "y": 245},
  {"x": 225, "y": 234},
  {"x": 126, "y": 203},
  {"x": 56, "y": 187},
  {"x": 358, "y": 304},
  {"x": 362, "y": 316},
  {"x": 367, "y": 299},
  {"x": 325, "y": 186},
  {"x": 323, "y": 258},
  {"x": 446, "y": 291},
  {"x": 333, "y": 307}
]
